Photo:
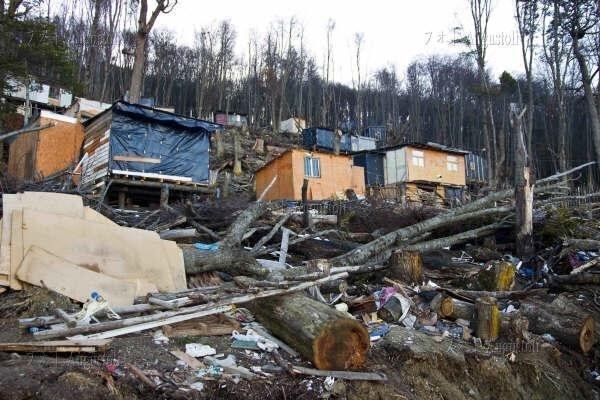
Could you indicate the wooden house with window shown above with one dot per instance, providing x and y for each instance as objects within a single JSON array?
[
  {"x": 329, "y": 176},
  {"x": 415, "y": 172}
]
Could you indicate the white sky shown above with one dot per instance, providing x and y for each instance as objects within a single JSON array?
[{"x": 395, "y": 31}]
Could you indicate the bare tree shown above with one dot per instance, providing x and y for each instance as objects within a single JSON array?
[
  {"x": 527, "y": 16},
  {"x": 581, "y": 21},
  {"x": 480, "y": 12},
  {"x": 557, "y": 56},
  {"x": 358, "y": 41},
  {"x": 144, "y": 26}
]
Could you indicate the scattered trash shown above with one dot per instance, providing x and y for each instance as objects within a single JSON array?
[{"x": 199, "y": 350}]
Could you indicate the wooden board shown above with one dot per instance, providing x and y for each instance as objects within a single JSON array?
[
  {"x": 58, "y": 346},
  {"x": 41, "y": 268},
  {"x": 189, "y": 360},
  {"x": 123, "y": 253},
  {"x": 58, "y": 203},
  {"x": 16, "y": 248},
  {"x": 139, "y": 159}
]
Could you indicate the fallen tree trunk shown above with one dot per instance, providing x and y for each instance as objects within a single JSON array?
[
  {"x": 575, "y": 279},
  {"x": 458, "y": 238},
  {"x": 566, "y": 322},
  {"x": 475, "y": 209},
  {"x": 327, "y": 337},
  {"x": 230, "y": 257}
]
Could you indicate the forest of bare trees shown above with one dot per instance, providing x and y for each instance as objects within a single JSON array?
[{"x": 452, "y": 100}]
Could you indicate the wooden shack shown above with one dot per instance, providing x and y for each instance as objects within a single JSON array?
[
  {"x": 136, "y": 150},
  {"x": 425, "y": 173},
  {"x": 329, "y": 176},
  {"x": 36, "y": 155}
]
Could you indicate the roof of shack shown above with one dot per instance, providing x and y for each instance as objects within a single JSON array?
[
  {"x": 428, "y": 145},
  {"x": 153, "y": 115}
]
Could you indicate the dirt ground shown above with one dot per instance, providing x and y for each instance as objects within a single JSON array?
[{"x": 417, "y": 366}]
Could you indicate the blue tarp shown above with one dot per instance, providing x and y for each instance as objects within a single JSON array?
[{"x": 181, "y": 144}]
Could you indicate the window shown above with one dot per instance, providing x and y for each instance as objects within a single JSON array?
[
  {"x": 452, "y": 163},
  {"x": 312, "y": 169},
  {"x": 418, "y": 158}
]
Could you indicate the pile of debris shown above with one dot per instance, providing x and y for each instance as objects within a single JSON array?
[{"x": 351, "y": 296}]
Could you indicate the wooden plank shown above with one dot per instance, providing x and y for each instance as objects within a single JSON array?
[
  {"x": 189, "y": 360},
  {"x": 41, "y": 268},
  {"x": 16, "y": 249},
  {"x": 124, "y": 253},
  {"x": 155, "y": 324},
  {"x": 57, "y": 203},
  {"x": 139, "y": 159},
  {"x": 57, "y": 346},
  {"x": 152, "y": 175}
]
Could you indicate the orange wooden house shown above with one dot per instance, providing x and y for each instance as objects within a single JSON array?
[
  {"x": 329, "y": 176},
  {"x": 40, "y": 154}
]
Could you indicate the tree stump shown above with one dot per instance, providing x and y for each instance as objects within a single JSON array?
[
  {"x": 325, "y": 336},
  {"x": 407, "y": 266},
  {"x": 498, "y": 276},
  {"x": 566, "y": 322},
  {"x": 487, "y": 319}
]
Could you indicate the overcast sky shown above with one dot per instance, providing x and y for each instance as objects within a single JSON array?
[{"x": 395, "y": 31}]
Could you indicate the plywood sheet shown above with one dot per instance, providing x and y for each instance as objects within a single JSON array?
[
  {"x": 42, "y": 268},
  {"x": 93, "y": 215},
  {"x": 123, "y": 253},
  {"x": 58, "y": 203},
  {"x": 16, "y": 249}
]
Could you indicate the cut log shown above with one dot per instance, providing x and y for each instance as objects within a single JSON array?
[
  {"x": 568, "y": 323},
  {"x": 487, "y": 319},
  {"x": 407, "y": 266},
  {"x": 498, "y": 276},
  {"x": 327, "y": 337}
]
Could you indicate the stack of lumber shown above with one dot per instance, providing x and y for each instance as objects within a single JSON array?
[{"x": 52, "y": 240}]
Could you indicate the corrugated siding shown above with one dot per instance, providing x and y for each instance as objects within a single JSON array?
[
  {"x": 476, "y": 168},
  {"x": 395, "y": 166}
]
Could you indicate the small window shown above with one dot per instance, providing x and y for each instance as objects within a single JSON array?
[
  {"x": 452, "y": 163},
  {"x": 418, "y": 158},
  {"x": 312, "y": 169}
]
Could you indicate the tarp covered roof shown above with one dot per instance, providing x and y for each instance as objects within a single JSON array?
[{"x": 166, "y": 118}]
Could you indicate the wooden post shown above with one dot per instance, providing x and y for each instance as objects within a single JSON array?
[
  {"x": 219, "y": 143},
  {"x": 164, "y": 196},
  {"x": 226, "y": 185},
  {"x": 407, "y": 266},
  {"x": 524, "y": 182},
  {"x": 487, "y": 319},
  {"x": 305, "y": 202},
  {"x": 237, "y": 153},
  {"x": 122, "y": 199}
]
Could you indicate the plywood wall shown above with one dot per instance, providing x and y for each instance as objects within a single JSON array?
[
  {"x": 337, "y": 175},
  {"x": 21, "y": 156},
  {"x": 435, "y": 168},
  {"x": 58, "y": 147}
]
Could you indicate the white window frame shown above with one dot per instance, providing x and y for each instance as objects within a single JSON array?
[
  {"x": 418, "y": 158},
  {"x": 312, "y": 172},
  {"x": 452, "y": 163}
]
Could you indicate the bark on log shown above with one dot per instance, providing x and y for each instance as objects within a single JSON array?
[
  {"x": 327, "y": 337},
  {"x": 576, "y": 279},
  {"x": 568, "y": 323},
  {"x": 475, "y": 209},
  {"x": 487, "y": 319},
  {"x": 458, "y": 238},
  {"x": 230, "y": 257},
  {"x": 406, "y": 266}
]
